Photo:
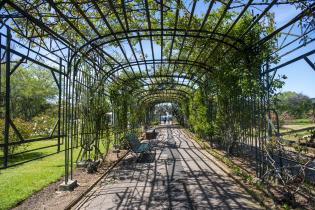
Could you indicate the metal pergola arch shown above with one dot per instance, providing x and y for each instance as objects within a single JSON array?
[
  {"x": 165, "y": 98},
  {"x": 173, "y": 101},
  {"x": 164, "y": 94},
  {"x": 110, "y": 76},
  {"x": 107, "y": 56},
  {"x": 154, "y": 79},
  {"x": 143, "y": 93}
]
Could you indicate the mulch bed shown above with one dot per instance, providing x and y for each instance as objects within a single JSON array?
[
  {"x": 51, "y": 198},
  {"x": 303, "y": 201}
]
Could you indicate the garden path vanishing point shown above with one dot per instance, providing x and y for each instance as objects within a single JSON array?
[{"x": 177, "y": 174}]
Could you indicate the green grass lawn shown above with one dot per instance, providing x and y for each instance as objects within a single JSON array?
[
  {"x": 296, "y": 125},
  {"x": 20, "y": 182},
  {"x": 296, "y": 136},
  {"x": 298, "y": 122},
  {"x": 33, "y": 154}
]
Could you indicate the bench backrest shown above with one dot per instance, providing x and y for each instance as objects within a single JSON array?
[{"x": 133, "y": 140}]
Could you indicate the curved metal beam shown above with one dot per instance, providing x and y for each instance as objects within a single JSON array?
[
  {"x": 185, "y": 33},
  {"x": 170, "y": 99},
  {"x": 163, "y": 96},
  {"x": 167, "y": 83},
  {"x": 183, "y": 77},
  {"x": 165, "y": 92},
  {"x": 191, "y": 63},
  {"x": 157, "y": 101},
  {"x": 148, "y": 92}
]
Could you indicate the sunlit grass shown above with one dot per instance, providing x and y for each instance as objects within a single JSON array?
[
  {"x": 299, "y": 122},
  {"x": 296, "y": 124},
  {"x": 33, "y": 154},
  {"x": 20, "y": 182}
]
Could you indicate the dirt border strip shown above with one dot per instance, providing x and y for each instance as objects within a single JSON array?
[{"x": 76, "y": 200}]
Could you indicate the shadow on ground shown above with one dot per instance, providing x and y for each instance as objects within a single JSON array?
[{"x": 176, "y": 174}]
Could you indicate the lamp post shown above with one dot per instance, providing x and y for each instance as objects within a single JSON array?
[{"x": 313, "y": 103}]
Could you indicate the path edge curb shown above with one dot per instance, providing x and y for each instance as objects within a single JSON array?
[{"x": 77, "y": 199}]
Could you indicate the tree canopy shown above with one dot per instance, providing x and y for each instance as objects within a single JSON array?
[{"x": 295, "y": 104}]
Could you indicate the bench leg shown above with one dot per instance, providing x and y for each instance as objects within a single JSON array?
[
  {"x": 140, "y": 155},
  {"x": 137, "y": 156}
]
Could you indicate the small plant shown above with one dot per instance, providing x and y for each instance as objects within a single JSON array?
[{"x": 286, "y": 206}]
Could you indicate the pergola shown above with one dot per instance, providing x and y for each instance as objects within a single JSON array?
[{"x": 156, "y": 50}]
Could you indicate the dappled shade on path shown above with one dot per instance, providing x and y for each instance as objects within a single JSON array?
[{"x": 177, "y": 174}]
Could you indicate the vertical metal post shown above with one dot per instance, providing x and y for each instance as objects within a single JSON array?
[
  {"x": 72, "y": 95},
  {"x": 255, "y": 131},
  {"x": 114, "y": 124},
  {"x": 59, "y": 104},
  {"x": 66, "y": 130},
  {"x": 7, "y": 100}
]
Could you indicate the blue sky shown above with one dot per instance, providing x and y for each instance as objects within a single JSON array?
[{"x": 300, "y": 76}]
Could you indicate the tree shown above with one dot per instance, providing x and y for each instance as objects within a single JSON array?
[
  {"x": 33, "y": 91},
  {"x": 295, "y": 104}
]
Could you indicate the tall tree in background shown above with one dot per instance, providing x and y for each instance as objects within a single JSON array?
[
  {"x": 295, "y": 104},
  {"x": 33, "y": 91}
]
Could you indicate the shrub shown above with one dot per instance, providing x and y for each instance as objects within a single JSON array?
[
  {"x": 23, "y": 127},
  {"x": 43, "y": 125}
]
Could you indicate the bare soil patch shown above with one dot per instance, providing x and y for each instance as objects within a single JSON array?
[{"x": 304, "y": 199}]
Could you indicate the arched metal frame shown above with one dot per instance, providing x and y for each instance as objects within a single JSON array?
[
  {"x": 163, "y": 99},
  {"x": 202, "y": 70},
  {"x": 163, "y": 95},
  {"x": 63, "y": 56}
]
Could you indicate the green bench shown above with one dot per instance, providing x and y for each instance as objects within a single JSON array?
[{"x": 136, "y": 146}]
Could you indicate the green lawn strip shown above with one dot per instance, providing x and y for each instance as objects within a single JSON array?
[
  {"x": 37, "y": 153},
  {"x": 32, "y": 154},
  {"x": 20, "y": 182},
  {"x": 290, "y": 127},
  {"x": 256, "y": 190},
  {"x": 299, "y": 121},
  {"x": 296, "y": 136}
]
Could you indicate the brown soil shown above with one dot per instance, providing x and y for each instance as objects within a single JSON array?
[
  {"x": 51, "y": 198},
  {"x": 271, "y": 195},
  {"x": 304, "y": 200}
]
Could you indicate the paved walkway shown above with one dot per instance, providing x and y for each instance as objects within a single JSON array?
[{"x": 176, "y": 175}]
